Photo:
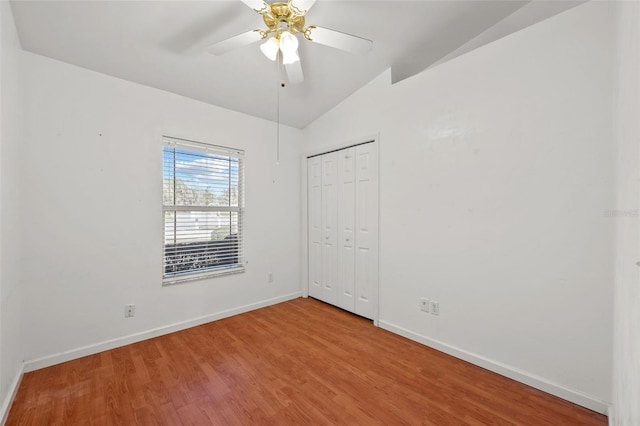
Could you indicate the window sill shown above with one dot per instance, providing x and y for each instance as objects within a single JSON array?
[{"x": 185, "y": 277}]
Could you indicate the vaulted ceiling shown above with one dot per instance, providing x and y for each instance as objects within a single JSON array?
[{"x": 163, "y": 44}]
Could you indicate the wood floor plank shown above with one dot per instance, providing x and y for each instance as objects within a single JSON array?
[{"x": 298, "y": 362}]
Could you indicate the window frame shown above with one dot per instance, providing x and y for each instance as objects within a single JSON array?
[{"x": 210, "y": 272}]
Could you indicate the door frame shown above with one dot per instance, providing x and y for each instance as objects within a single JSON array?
[{"x": 304, "y": 244}]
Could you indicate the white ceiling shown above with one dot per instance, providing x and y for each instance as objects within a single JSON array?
[{"x": 162, "y": 44}]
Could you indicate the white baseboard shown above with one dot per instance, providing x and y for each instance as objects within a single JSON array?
[
  {"x": 532, "y": 380},
  {"x": 11, "y": 395},
  {"x": 58, "y": 358}
]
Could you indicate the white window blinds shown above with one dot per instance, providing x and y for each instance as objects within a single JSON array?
[{"x": 203, "y": 208}]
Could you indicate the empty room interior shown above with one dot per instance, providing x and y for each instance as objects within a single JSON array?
[{"x": 320, "y": 212}]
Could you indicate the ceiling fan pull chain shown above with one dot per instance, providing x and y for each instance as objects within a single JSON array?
[{"x": 278, "y": 88}]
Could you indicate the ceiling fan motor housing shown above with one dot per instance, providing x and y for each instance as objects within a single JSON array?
[{"x": 282, "y": 14}]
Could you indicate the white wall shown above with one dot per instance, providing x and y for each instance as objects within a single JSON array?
[
  {"x": 11, "y": 287},
  {"x": 496, "y": 170},
  {"x": 626, "y": 348},
  {"x": 92, "y": 211}
]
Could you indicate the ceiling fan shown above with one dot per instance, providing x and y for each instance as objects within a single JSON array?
[{"x": 284, "y": 20}]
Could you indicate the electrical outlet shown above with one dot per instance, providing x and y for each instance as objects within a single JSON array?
[
  {"x": 129, "y": 311},
  {"x": 270, "y": 277},
  {"x": 435, "y": 307},
  {"x": 424, "y": 305}
]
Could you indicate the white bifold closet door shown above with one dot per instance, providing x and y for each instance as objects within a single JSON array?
[
  {"x": 314, "y": 194},
  {"x": 329, "y": 221},
  {"x": 343, "y": 228},
  {"x": 366, "y": 230},
  {"x": 346, "y": 229}
]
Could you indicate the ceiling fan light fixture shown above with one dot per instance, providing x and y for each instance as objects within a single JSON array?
[
  {"x": 270, "y": 48},
  {"x": 288, "y": 43}
]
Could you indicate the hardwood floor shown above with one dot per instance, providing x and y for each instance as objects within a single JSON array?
[{"x": 299, "y": 362}]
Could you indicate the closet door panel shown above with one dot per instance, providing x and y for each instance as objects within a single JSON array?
[
  {"x": 329, "y": 228},
  {"x": 366, "y": 277},
  {"x": 314, "y": 179},
  {"x": 346, "y": 229}
]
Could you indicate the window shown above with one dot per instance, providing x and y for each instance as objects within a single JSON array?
[{"x": 203, "y": 210}]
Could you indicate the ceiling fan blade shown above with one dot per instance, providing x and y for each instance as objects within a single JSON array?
[
  {"x": 294, "y": 73},
  {"x": 257, "y": 5},
  {"x": 235, "y": 42},
  {"x": 302, "y": 5},
  {"x": 342, "y": 41}
]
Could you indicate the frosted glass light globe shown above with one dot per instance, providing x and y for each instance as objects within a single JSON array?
[{"x": 270, "y": 48}]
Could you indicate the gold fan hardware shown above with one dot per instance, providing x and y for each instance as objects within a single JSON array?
[{"x": 283, "y": 16}]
